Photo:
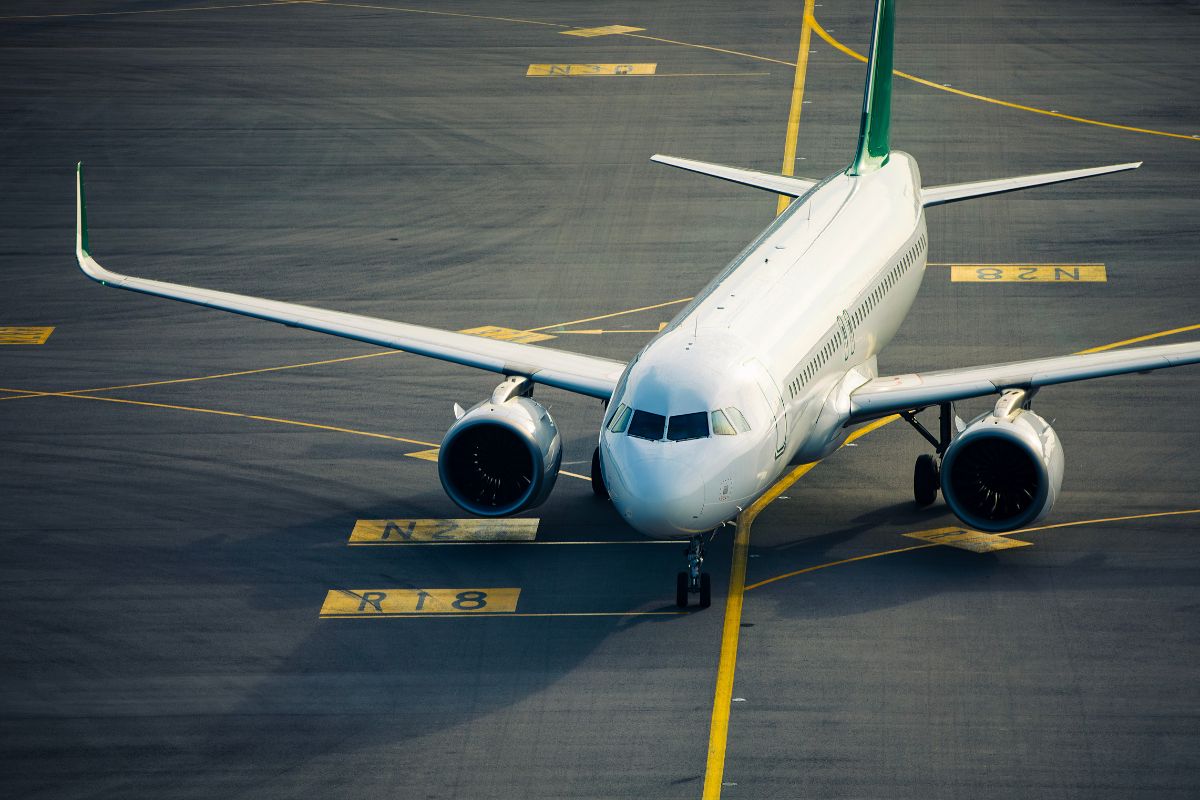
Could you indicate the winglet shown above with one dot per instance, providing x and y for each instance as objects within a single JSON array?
[{"x": 81, "y": 230}]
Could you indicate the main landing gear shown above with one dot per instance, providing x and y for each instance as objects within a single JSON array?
[
  {"x": 927, "y": 470},
  {"x": 694, "y": 581}
]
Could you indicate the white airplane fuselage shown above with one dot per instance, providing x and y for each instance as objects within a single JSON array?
[{"x": 782, "y": 335}]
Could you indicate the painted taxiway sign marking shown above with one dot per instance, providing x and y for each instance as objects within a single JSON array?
[
  {"x": 607, "y": 30},
  {"x": 406, "y": 602},
  {"x": 404, "y": 531},
  {"x": 963, "y": 539},
  {"x": 1028, "y": 273},
  {"x": 582, "y": 70},
  {"x": 28, "y": 335},
  {"x": 507, "y": 334}
]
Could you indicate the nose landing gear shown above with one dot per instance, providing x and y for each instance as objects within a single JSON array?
[{"x": 694, "y": 581}]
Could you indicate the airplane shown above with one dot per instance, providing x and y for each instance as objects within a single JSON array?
[{"x": 772, "y": 364}]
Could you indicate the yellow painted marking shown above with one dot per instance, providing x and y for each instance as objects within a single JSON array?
[
  {"x": 519, "y": 614},
  {"x": 607, "y": 30},
  {"x": 426, "y": 455},
  {"x": 390, "y": 602},
  {"x": 403, "y": 531},
  {"x": 613, "y": 314},
  {"x": 793, "y": 126},
  {"x": 448, "y": 14},
  {"x": 834, "y": 43},
  {"x": 598, "y": 331},
  {"x": 1137, "y": 339},
  {"x": 219, "y": 375},
  {"x": 1023, "y": 531},
  {"x": 27, "y": 335},
  {"x": 580, "y": 70},
  {"x": 147, "y": 11},
  {"x": 964, "y": 539},
  {"x": 1028, "y": 273},
  {"x": 710, "y": 48},
  {"x": 197, "y": 409},
  {"x": 507, "y": 334}
]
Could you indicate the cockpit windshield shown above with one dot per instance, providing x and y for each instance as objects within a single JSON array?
[
  {"x": 688, "y": 426},
  {"x": 680, "y": 427},
  {"x": 646, "y": 425}
]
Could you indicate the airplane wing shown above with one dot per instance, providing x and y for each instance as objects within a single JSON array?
[
  {"x": 780, "y": 184},
  {"x": 887, "y": 395},
  {"x": 574, "y": 372},
  {"x": 952, "y": 193}
]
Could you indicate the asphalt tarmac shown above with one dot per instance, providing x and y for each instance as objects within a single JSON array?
[{"x": 168, "y": 548}]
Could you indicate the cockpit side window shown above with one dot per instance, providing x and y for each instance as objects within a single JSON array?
[
  {"x": 645, "y": 425},
  {"x": 620, "y": 420},
  {"x": 688, "y": 426},
  {"x": 738, "y": 419},
  {"x": 721, "y": 426}
]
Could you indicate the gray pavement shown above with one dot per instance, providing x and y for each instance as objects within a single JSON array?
[{"x": 164, "y": 568}]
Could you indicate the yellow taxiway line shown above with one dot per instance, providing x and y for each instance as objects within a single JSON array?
[{"x": 793, "y": 125}]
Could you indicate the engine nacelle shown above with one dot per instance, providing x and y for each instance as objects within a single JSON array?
[
  {"x": 1005, "y": 469},
  {"x": 502, "y": 456}
]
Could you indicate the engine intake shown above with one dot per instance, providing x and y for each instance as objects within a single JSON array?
[
  {"x": 501, "y": 456},
  {"x": 1005, "y": 469}
]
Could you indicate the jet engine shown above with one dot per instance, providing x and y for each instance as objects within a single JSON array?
[
  {"x": 1005, "y": 469},
  {"x": 501, "y": 456}
]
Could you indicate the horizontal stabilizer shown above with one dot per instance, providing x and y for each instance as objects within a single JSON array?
[
  {"x": 937, "y": 195},
  {"x": 780, "y": 184}
]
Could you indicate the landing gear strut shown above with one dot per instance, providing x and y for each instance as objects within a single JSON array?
[
  {"x": 694, "y": 580},
  {"x": 926, "y": 472}
]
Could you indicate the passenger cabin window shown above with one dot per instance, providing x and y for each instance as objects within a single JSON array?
[
  {"x": 721, "y": 426},
  {"x": 645, "y": 425},
  {"x": 620, "y": 420},
  {"x": 688, "y": 426}
]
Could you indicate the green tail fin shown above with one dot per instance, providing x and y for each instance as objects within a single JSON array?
[
  {"x": 81, "y": 209},
  {"x": 873, "y": 147}
]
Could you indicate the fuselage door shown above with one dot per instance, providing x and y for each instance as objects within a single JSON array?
[{"x": 770, "y": 392}]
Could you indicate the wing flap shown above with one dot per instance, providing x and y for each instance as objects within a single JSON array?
[
  {"x": 574, "y": 372},
  {"x": 888, "y": 395},
  {"x": 952, "y": 193},
  {"x": 780, "y": 184}
]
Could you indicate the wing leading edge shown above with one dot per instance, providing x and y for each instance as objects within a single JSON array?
[
  {"x": 952, "y": 193},
  {"x": 887, "y": 395},
  {"x": 574, "y": 372}
]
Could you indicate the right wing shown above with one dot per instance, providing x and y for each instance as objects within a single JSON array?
[
  {"x": 780, "y": 184},
  {"x": 887, "y": 395},
  {"x": 952, "y": 193},
  {"x": 574, "y": 372}
]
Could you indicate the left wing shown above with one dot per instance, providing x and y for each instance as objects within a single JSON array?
[
  {"x": 887, "y": 395},
  {"x": 575, "y": 372}
]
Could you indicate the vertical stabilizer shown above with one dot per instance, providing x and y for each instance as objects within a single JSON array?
[{"x": 873, "y": 147}]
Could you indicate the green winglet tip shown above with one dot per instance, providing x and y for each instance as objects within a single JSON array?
[{"x": 83, "y": 227}]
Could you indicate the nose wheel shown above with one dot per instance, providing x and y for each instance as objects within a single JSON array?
[{"x": 694, "y": 580}]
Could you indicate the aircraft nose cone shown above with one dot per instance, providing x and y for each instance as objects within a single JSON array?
[{"x": 666, "y": 498}]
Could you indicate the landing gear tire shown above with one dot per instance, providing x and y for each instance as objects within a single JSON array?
[
  {"x": 925, "y": 480},
  {"x": 694, "y": 580},
  {"x": 598, "y": 487}
]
